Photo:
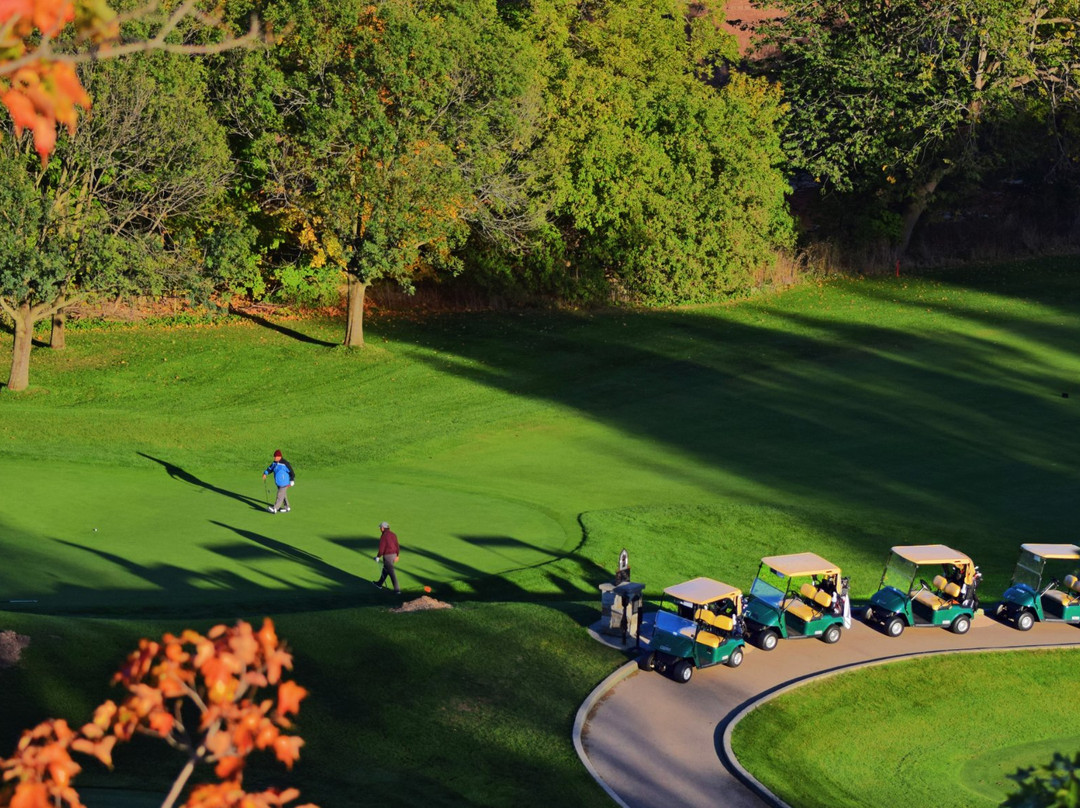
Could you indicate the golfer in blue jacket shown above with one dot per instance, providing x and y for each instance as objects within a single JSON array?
[{"x": 284, "y": 477}]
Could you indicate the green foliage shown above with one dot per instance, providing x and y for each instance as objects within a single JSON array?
[
  {"x": 887, "y": 99},
  {"x": 1054, "y": 785},
  {"x": 110, "y": 211},
  {"x": 664, "y": 189},
  {"x": 581, "y": 152},
  {"x": 34, "y": 256},
  {"x": 379, "y": 133}
]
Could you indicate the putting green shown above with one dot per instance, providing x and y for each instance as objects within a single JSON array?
[
  {"x": 987, "y": 774},
  {"x": 87, "y": 538},
  {"x": 945, "y": 728}
]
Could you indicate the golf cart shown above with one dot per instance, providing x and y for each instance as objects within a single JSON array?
[
  {"x": 904, "y": 599},
  {"x": 1027, "y": 599},
  {"x": 800, "y": 595},
  {"x": 699, "y": 624}
]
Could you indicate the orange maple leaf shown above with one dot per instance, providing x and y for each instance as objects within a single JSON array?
[{"x": 289, "y": 696}]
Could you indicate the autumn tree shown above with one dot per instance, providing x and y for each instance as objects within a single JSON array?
[
  {"x": 887, "y": 100},
  {"x": 379, "y": 133},
  {"x": 215, "y": 697},
  {"x": 115, "y": 206}
]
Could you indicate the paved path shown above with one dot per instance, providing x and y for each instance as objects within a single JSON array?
[{"x": 653, "y": 742}]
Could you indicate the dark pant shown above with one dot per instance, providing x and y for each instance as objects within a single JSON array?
[{"x": 388, "y": 562}]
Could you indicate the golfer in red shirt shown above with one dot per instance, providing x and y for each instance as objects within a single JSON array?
[{"x": 388, "y": 552}]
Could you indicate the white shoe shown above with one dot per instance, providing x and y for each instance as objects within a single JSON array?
[
  {"x": 272, "y": 509},
  {"x": 285, "y": 510}
]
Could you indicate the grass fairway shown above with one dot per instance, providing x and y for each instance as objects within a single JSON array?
[
  {"x": 955, "y": 725},
  {"x": 515, "y": 454}
]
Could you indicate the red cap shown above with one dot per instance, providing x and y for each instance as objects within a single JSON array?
[{"x": 277, "y": 454}]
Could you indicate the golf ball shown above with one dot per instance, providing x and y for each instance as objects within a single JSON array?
[{"x": 95, "y": 530}]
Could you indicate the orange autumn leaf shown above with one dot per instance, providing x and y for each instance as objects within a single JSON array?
[
  {"x": 22, "y": 111},
  {"x": 287, "y": 749},
  {"x": 228, "y": 766},
  {"x": 267, "y": 636},
  {"x": 102, "y": 749},
  {"x": 244, "y": 644},
  {"x": 222, "y": 681},
  {"x": 31, "y": 795},
  {"x": 289, "y": 696},
  {"x": 162, "y": 723}
]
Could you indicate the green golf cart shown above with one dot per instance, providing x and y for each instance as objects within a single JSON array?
[
  {"x": 699, "y": 624},
  {"x": 799, "y": 595},
  {"x": 904, "y": 599},
  {"x": 1027, "y": 599}
]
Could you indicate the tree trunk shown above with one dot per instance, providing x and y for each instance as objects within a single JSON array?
[
  {"x": 916, "y": 206},
  {"x": 19, "y": 378},
  {"x": 58, "y": 340},
  {"x": 354, "y": 325}
]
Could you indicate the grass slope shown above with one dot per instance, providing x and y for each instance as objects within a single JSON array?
[
  {"x": 515, "y": 454},
  {"x": 954, "y": 725}
]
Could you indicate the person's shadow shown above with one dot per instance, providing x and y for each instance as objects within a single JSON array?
[{"x": 178, "y": 473}]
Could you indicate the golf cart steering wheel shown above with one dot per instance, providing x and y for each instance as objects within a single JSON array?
[{"x": 925, "y": 585}]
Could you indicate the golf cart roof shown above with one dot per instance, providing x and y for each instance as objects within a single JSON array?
[
  {"x": 1067, "y": 551},
  {"x": 931, "y": 554},
  {"x": 800, "y": 564},
  {"x": 702, "y": 591}
]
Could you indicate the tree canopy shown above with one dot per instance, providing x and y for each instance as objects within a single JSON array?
[
  {"x": 117, "y": 204},
  {"x": 887, "y": 99}
]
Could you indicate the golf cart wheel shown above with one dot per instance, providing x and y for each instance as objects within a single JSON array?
[
  {"x": 894, "y": 627},
  {"x": 683, "y": 671},
  {"x": 961, "y": 625},
  {"x": 868, "y": 615},
  {"x": 736, "y": 658},
  {"x": 648, "y": 662},
  {"x": 831, "y": 635},
  {"x": 767, "y": 640},
  {"x": 1025, "y": 620}
]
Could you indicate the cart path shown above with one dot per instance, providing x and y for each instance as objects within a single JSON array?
[{"x": 650, "y": 741}]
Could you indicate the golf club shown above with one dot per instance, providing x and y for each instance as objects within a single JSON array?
[{"x": 266, "y": 492}]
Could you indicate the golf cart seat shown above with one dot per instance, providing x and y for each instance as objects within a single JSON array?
[
  {"x": 704, "y": 616},
  {"x": 799, "y": 609},
  {"x": 1072, "y": 583},
  {"x": 709, "y": 639},
  {"x": 930, "y": 599},
  {"x": 947, "y": 587},
  {"x": 815, "y": 595},
  {"x": 717, "y": 621}
]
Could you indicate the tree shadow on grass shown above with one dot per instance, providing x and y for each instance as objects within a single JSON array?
[
  {"x": 177, "y": 473},
  {"x": 258, "y": 546},
  {"x": 288, "y": 332},
  {"x": 807, "y": 403},
  {"x": 9, "y": 328}
]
